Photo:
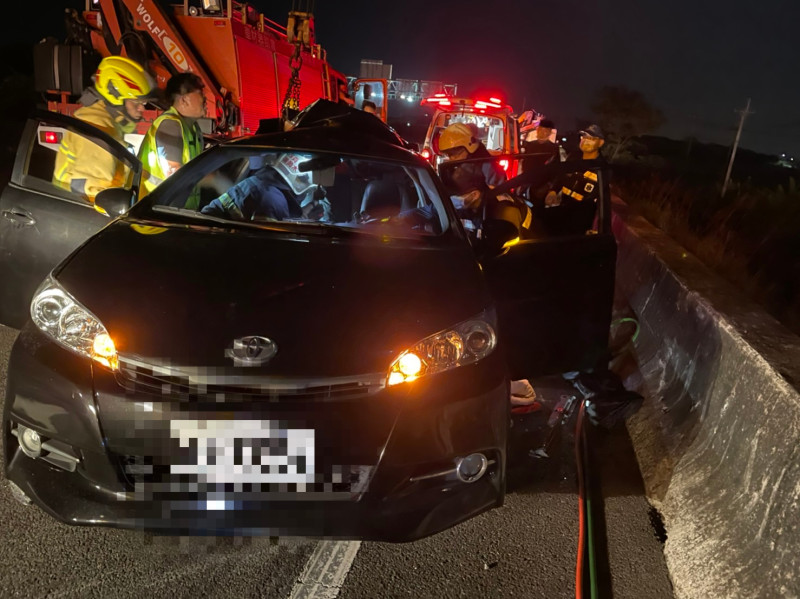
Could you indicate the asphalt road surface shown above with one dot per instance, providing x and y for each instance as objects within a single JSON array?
[{"x": 527, "y": 548}]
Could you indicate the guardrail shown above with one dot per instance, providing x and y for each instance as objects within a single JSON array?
[{"x": 718, "y": 438}]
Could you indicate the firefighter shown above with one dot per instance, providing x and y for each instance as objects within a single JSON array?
[
  {"x": 572, "y": 199},
  {"x": 277, "y": 190},
  {"x": 470, "y": 180},
  {"x": 114, "y": 105},
  {"x": 175, "y": 137}
]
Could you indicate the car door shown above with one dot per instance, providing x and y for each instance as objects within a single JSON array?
[
  {"x": 554, "y": 295},
  {"x": 40, "y": 222},
  {"x": 375, "y": 90}
]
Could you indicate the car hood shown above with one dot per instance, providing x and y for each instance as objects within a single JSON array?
[{"x": 335, "y": 306}]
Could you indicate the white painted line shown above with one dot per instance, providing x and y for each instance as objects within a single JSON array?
[{"x": 324, "y": 574}]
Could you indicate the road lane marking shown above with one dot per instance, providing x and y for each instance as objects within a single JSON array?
[{"x": 324, "y": 574}]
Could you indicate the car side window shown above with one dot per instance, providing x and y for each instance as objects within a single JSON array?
[{"x": 70, "y": 165}]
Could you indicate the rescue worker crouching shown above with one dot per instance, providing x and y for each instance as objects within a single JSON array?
[
  {"x": 115, "y": 104},
  {"x": 175, "y": 137}
]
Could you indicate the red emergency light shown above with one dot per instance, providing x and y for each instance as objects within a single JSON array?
[
  {"x": 50, "y": 137},
  {"x": 425, "y": 153},
  {"x": 503, "y": 162},
  {"x": 480, "y": 105}
]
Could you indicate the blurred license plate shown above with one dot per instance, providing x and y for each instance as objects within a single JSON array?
[{"x": 245, "y": 451}]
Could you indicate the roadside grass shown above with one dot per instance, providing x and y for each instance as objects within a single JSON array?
[{"x": 751, "y": 237}]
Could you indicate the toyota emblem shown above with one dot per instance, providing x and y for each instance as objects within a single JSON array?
[{"x": 251, "y": 351}]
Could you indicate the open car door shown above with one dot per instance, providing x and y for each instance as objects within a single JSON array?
[
  {"x": 41, "y": 223},
  {"x": 554, "y": 283},
  {"x": 375, "y": 90}
]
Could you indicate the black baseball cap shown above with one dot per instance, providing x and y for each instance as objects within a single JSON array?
[
  {"x": 547, "y": 124},
  {"x": 593, "y": 131}
]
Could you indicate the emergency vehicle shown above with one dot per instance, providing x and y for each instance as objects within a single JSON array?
[
  {"x": 252, "y": 67},
  {"x": 492, "y": 120}
]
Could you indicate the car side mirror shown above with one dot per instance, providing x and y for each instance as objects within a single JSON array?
[{"x": 115, "y": 201}]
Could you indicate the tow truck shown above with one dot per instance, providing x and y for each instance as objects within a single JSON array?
[
  {"x": 253, "y": 68},
  {"x": 494, "y": 121}
]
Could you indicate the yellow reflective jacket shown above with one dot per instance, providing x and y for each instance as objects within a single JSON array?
[
  {"x": 84, "y": 167},
  {"x": 154, "y": 166}
]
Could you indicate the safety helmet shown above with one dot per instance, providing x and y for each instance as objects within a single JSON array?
[
  {"x": 458, "y": 135},
  {"x": 288, "y": 166},
  {"x": 118, "y": 79}
]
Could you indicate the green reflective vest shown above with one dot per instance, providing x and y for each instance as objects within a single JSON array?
[{"x": 154, "y": 166}]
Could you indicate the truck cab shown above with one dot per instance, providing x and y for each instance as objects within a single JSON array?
[{"x": 494, "y": 122}]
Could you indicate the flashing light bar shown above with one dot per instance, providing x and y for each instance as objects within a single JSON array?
[
  {"x": 443, "y": 100},
  {"x": 504, "y": 163},
  {"x": 496, "y": 100}
]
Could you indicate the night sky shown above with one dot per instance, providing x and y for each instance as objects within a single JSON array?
[{"x": 696, "y": 60}]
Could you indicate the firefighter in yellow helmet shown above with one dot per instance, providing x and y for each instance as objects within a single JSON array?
[
  {"x": 114, "y": 105},
  {"x": 468, "y": 181}
]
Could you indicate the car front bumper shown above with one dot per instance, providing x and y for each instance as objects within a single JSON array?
[{"x": 384, "y": 464}]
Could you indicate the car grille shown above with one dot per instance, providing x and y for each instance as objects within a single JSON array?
[{"x": 184, "y": 382}]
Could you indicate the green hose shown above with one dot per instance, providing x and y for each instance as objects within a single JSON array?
[{"x": 634, "y": 321}]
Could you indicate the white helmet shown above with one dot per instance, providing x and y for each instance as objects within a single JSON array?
[{"x": 289, "y": 167}]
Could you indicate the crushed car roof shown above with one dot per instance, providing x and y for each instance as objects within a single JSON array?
[{"x": 330, "y": 127}]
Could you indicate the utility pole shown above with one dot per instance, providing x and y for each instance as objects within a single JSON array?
[{"x": 743, "y": 114}]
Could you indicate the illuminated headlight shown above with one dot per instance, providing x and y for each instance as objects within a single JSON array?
[
  {"x": 69, "y": 324},
  {"x": 465, "y": 343}
]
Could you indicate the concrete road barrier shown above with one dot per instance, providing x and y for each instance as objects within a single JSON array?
[{"x": 718, "y": 440}]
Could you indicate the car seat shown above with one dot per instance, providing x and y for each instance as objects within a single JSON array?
[{"x": 382, "y": 198}]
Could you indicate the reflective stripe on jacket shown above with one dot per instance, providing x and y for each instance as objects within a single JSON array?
[
  {"x": 84, "y": 167},
  {"x": 155, "y": 168}
]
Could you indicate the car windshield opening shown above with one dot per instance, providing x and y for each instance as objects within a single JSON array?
[{"x": 315, "y": 189}]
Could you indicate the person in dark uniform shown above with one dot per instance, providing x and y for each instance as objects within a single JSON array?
[
  {"x": 571, "y": 202},
  {"x": 277, "y": 190},
  {"x": 542, "y": 150}
]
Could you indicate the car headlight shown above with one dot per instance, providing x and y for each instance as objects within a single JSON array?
[
  {"x": 60, "y": 316},
  {"x": 465, "y": 343}
]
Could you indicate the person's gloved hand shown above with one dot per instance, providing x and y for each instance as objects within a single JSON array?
[{"x": 316, "y": 206}]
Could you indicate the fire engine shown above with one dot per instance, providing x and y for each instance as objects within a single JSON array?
[
  {"x": 492, "y": 120},
  {"x": 252, "y": 67}
]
